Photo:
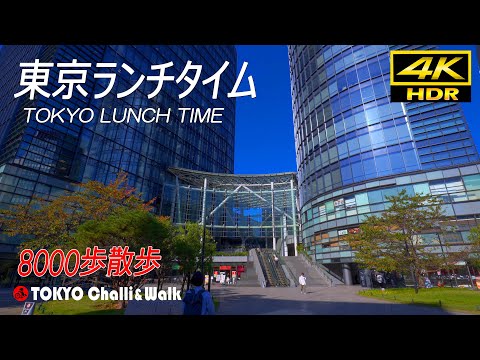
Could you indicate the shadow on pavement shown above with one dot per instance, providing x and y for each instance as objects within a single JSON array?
[{"x": 234, "y": 303}]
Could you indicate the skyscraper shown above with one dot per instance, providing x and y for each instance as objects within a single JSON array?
[
  {"x": 354, "y": 147},
  {"x": 45, "y": 159}
]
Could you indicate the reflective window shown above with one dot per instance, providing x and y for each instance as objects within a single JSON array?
[
  {"x": 357, "y": 170},
  {"x": 369, "y": 167},
  {"x": 361, "y": 199},
  {"x": 472, "y": 182},
  {"x": 364, "y": 142},
  {"x": 377, "y": 138},
  {"x": 375, "y": 196},
  {"x": 362, "y": 73},
  {"x": 396, "y": 159},
  {"x": 410, "y": 159},
  {"x": 358, "y": 55},
  {"x": 374, "y": 68},
  {"x": 346, "y": 171},
  {"x": 422, "y": 188},
  {"x": 383, "y": 164}
]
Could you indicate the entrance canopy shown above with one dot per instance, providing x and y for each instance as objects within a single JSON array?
[
  {"x": 227, "y": 181},
  {"x": 237, "y": 209}
]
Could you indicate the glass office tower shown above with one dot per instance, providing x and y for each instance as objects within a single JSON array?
[
  {"x": 354, "y": 147},
  {"x": 46, "y": 159}
]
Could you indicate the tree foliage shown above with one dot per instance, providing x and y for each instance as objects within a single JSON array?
[
  {"x": 393, "y": 242},
  {"x": 135, "y": 228},
  {"x": 166, "y": 243},
  {"x": 126, "y": 227},
  {"x": 106, "y": 216},
  {"x": 187, "y": 247},
  {"x": 474, "y": 251},
  {"x": 51, "y": 225}
]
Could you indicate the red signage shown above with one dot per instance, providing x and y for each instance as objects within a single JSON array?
[{"x": 225, "y": 267}]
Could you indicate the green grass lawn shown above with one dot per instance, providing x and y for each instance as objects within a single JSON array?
[
  {"x": 81, "y": 307},
  {"x": 448, "y": 298}
]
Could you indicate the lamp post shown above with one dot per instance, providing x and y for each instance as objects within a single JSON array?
[
  {"x": 203, "y": 248},
  {"x": 202, "y": 266},
  {"x": 211, "y": 268}
]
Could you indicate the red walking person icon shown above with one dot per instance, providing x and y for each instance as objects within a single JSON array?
[{"x": 20, "y": 293}]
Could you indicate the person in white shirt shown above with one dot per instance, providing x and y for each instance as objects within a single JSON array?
[{"x": 303, "y": 283}]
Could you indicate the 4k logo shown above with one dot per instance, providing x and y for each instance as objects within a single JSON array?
[{"x": 430, "y": 75}]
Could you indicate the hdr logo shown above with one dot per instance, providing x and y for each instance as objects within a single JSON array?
[{"x": 430, "y": 75}]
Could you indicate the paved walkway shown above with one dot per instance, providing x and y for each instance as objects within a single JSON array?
[{"x": 340, "y": 300}]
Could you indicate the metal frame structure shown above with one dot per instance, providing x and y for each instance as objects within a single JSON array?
[{"x": 240, "y": 207}]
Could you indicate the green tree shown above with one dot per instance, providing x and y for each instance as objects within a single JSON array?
[
  {"x": 133, "y": 228},
  {"x": 50, "y": 225},
  {"x": 474, "y": 250},
  {"x": 187, "y": 247},
  {"x": 166, "y": 243},
  {"x": 393, "y": 242}
]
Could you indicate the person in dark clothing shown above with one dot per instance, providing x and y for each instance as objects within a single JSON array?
[{"x": 197, "y": 300}]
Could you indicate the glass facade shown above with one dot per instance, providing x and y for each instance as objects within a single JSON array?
[
  {"x": 45, "y": 159},
  {"x": 441, "y": 134},
  {"x": 245, "y": 211},
  {"x": 347, "y": 133},
  {"x": 327, "y": 220}
]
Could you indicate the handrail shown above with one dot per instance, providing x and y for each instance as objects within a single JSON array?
[
  {"x": 328, "y": 275},
  {"x": 285, "y": 266},
  {"x": 278, "y": 272},
  {"x": 288, "y": 275},
  {"x": 272, "y": 277},
  {"x": 258, "y": 268},
  {"x": 263, "y": 266}
]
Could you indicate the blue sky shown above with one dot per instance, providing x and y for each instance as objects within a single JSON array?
[{"x": 264, "y": 141}]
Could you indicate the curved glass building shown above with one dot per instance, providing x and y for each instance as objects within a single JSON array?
[
  {"x": 46, "y": 159},
  {"x": 354, "y": 147}
]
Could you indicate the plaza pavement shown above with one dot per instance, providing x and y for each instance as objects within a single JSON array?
[{"x": 339, "y": 300}]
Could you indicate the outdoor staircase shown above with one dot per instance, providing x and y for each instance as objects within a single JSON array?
[
  {"x": 249, "y": 277},
  {"x": 297, "y": 265}
]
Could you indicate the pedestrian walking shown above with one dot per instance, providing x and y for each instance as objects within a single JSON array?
[
  {"x": 198, "y": 301},
  {"x": 380, "y": 280},
  {"x": 302, "y": 280}
]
